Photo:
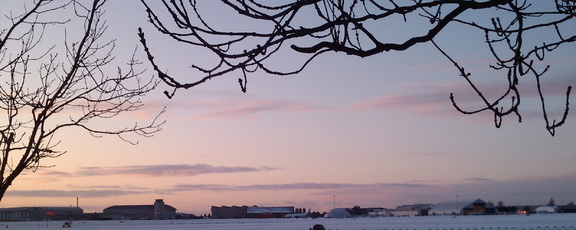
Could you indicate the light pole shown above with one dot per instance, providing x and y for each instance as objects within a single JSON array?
[{"x": 334, "y": 197}]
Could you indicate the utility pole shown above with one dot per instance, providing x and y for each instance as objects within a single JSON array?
[{"x": 334, "y": 201}]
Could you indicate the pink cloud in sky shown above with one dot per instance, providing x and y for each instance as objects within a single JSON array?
[
  {"x": 234, "y": 108},
  {"x": 74, "y": 193},
  {"x": 155, "y": 170},
  {"x": 435, "y": 99},
  {"x": 292, "y": 186},
  {"x": 427, "y": 99}
]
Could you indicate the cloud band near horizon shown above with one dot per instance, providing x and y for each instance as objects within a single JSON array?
[
  {"x": 111, "y": 191},
  {"x": 162, "y": 170}
]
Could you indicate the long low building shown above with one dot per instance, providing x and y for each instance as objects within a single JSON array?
[
  {"x": 226, "y": 212},
  {"x": 229, "y": 212},
  {"x": 40, "y": 213},
  {"x": 158, "y": 211},
  {"x": 269, "y": 212},
  {"x": 476, "y": 207}
]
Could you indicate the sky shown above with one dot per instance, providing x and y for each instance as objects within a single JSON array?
[{"x": 375, "y": 132}]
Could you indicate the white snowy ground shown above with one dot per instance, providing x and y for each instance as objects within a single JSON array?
[{"x": 509, "y": 222}]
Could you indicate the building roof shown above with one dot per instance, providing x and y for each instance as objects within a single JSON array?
[
  {"x": 123, "y": 207},
  {"x": 478, "y": 202},
  {"x": 546, "y": 209},
  {"x": 413, "y": 207},
  {"x": 39, "y": 208},
  {"x": 233, "y": 206},
  {"x": 450, "y": 207},
  {"x": 339, "y": 213},
  {"x": 261, "y": 210}
]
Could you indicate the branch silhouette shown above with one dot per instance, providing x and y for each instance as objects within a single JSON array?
[
  {"x": 44, "y": 92},
  {"x": 310, "y": 28}
]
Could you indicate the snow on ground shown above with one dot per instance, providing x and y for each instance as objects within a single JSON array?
[{"x": 509, "y": 222}]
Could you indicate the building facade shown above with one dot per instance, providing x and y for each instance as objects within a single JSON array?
[
  {"x": 269, "y": 212},
  {"x": 226, "y": 212},
  {"x": 476, "y": 207},
  {"x": 157, "y": 211},
  {"x": 234, "y": 212},
  {"x": 479, "y": 207},
  {"x": 40, "y": 213},
  {"x": 412, "y": 210}
]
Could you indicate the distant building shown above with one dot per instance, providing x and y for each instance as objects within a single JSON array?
[
  {"x": 476, "y": 207},
  {"x": 570, "y": 208},
  {"x": 448, "y": 208},
  {"x": 339, "y": 213},
  {"x": 507, "y": 210},
  {"x": 378, "y": 212},
  {"x": 40, "y": 213},
  {"x": 412, "y": 210},
  {"x": 545, "y": 209},
  {"x": 298, "y": 215},
  {"x": 157, "y": 211},
  {"x": 269, "y": 212},
  {"x": 479, "y": 207},
  {"x": 357, "y": 211},
  {"x": 225, "y": 212}
]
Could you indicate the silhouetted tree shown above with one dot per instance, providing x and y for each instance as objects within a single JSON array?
[
  {"x": 50, "y": 85},
  {"x": 356, "y": 211},
  {"x": 527, "y": 209},
  {"x": 266, "y": 30},
  {"x": 551, "y": 202}
]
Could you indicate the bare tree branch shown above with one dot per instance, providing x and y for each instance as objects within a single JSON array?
[
  {"x": 359, "y": 28},
  {"x": 40, "y": 87}
]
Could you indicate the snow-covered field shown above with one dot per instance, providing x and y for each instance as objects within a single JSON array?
[{"x": 510, "y": 222}]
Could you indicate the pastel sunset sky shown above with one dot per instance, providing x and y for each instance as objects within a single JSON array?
[{"x": 374, "y": 132}]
